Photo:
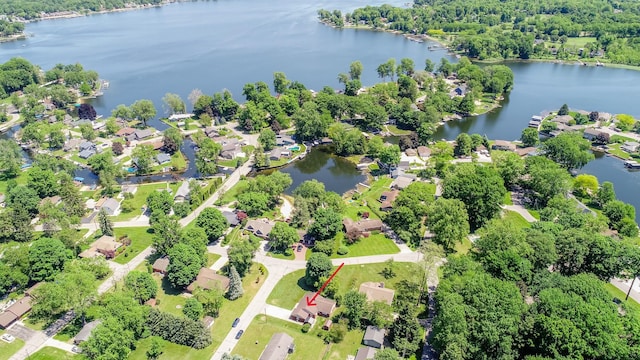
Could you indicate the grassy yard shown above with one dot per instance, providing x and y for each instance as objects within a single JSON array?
[
  {"x": 617, "y": 293},
  {"x": 212, "y": 258},
  {"x": 77, "y": 158},
  {"x": 614, "y": 149},
  {"x": 51, "y": 353},
  {"x": 507, "y": 199},
  {"x": 376, "y": 244},
  {"x": 291, "y": 287},
  {"x": 169, "y": 299},
  {"x": 140, "y": 198},
  {"x": 21, "y": 179},
  {"x": 398, "y": 132},
  {"x": 229, "y": 311},
  {"x": 463, "y": 247},
  {"x": 7, "y": 350},
  {"x": 516, "y": 218},
  {"x": 140, "y": 240},
  {"x": 178, "y": 161},
  {"x": 308, "y": 346},
  {"x": 230, "y": 194}
]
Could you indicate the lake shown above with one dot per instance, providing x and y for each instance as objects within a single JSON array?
[
  {"x": 221, "y": 44},
  {"x": 337, "y": 173}
]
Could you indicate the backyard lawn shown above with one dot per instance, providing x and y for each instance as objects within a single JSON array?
[
  {"x": 398, "y": 132},
  {"x": 7, "y": 350},
  {"x": 516, "y": 218},
  {"x": 292, "y": 287},
  {"x": 376, "y": 244},
  {"x": 140, "y": 240},
  {"x": 230, "y": 194},
  {"x": 617, "y": 293},
  {"x": 229, "y": 311},
  {"x": 140, "y": 199},
  {"x": 51, "y": 353},
  {"x": 308, "y": 346}
]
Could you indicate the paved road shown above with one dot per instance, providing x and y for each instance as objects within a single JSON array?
[{"x": 277, "y": 269}]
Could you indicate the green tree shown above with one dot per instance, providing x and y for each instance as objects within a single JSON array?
[
  {"x": 564, "y": 110},
  {"x": 172, "y": 140},
  {"x": 267, "y": 139},
  {"x": 106, "y": 225},
  {"x": 10, "y": 158},
  {"x": 405, "y": 332},
  {"x": 193, "y": 309},
  {"x": 428, "y": 65},
  {"x": 529, "y": 137},
  {"x": 480, "y": 188},
  {"x": 390, "y": 155},
  {"x": 213, "y": 223},
  {"x": 387, "y": 353},
  {"x": 355, "y": 70},
  {"x": 143, "y": 110},
  {"x": 43, "y": 181},
  {"x": 509, "y": 165},
  {"x": 467, "y": 104},
  {"x": 280, "y": 82},
  {"x": 326, "y": 224},
  {"x": 166, "y": 233},
  {"x": 241, "y": 256},
  {"x": 570, "y": 150},
  {"x": 447, "y": 219},
  {"x": 282, "y": 236},
  {"x": 355, "y": 304},
  {"x": 87, "y": 131},
  {"x": 254, "y": 203},
  {"x": 155, "y": 350},
  {"x": 407, "y": 87},
  {"x": 585, "y": 185},
  {"x": 605, "y": 193},
  {"x": 211, "y": 300},
  {"x": 173, "y": 104},
  {"x": 545, "y": 178},
  {"x": 143, "y": 158},
  {"x": 318, "y": 266},
  {"x": 109, "y": 341},
  {"x": 310, "y": 125},
  {"x": 207, "y": 155},
  {"x": 463, "y": 145},
  {"x": 46, "y": 258},
  {"x": 142, "y": 285},
  {"x": 235, "y": 284},
  {"x": 405, "y": 67},
  {"x": 56, "y": 139},
  {"x": 184, "y": 265}
]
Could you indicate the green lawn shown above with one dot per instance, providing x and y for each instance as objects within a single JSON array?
[
  {"x": 178, "y": 161},
  {"x": 212, "y": 258},
  {"x": 464, "y": 246},
  {"x": 308, "y": 346},
  {"x": 7, "y": 350},
  {"x": 229, "y": 311},
  {"x": 21, "y": 179},
  {"x": 230, "y": 194},
  {"x": 140, "y": 240},
  {"x": 233, "y": 236},
  {"x": 168, "y": 298},
  {"x": 507, "y": 199},
  {"x": 580, "y": 41},
  {"x": 395, "y": 131},
  {"x": 614, "y": 149},
  {"x": 140, "y": 198},
  {"x": 230, "y": 163},
  {"x": 292, "y": 287},
  {"x": 51, "y": 353},
  {"x": 376, "y": 244},
  {"x": 355, "y": 209},
  {"x": 77, "y": 158},
  {"x": 617, "y": 293},
  {"x": 516, "y": 218}
]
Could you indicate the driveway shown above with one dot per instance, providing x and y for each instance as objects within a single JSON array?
[
  {"x": 21, "y": 332},
  {"x": 278, "y": 312}
]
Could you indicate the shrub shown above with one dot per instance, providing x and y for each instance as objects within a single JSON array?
[
  {"x": 288, "y": 252},
  {"x": 343, "y": 250},
  {"x": 306, "y": 327},
  {"x": 324, "y": 246}
]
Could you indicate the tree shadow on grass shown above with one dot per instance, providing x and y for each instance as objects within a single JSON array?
[
  {"x": 303, "y": 285},
  {"x": 168, "y": 288}
]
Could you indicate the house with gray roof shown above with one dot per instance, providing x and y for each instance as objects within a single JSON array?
[
  {"x": 260, "y": 227},
  {"x": 85, "y": 154},
  {"x": 110, "y": 205},
  {"x": 163, "y": 158},
  {"x": 87, "y": 145},
  {"x": 284, "y": 140},
  {"x": 373, "y": 337},
  {"x": 142, "y": 134},
  {"x": 183, "y": 192},
  {"x": 365, "y": 353},
  {"x": 630, "y": 146},
  {"x": 278, "y": 348},
  {"x": 86, "y": 331}
]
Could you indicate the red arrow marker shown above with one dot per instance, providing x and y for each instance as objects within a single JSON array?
[{"x": 310, "y": 302}]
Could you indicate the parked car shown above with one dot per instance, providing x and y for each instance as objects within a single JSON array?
[
  {"x": 239, "y": 334},
  {"x": 8, "y": 338},
  {"x": 299, "y": 248},
  {"x": 235, "y": 322},
  {"x": 76, "y": 350}
]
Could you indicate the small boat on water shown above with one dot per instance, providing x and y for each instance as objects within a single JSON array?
[{"x": 630, "y": 164}]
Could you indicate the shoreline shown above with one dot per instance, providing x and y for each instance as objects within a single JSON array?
[{"x": 445, "y": 46}]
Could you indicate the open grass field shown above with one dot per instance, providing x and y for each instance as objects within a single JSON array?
[
  {"x": 140, "y": 199},
  {"x": 229, "y": 311},
  {"x": 7, "y": 350},
  {"x": 231, "y": 194},
  {"x": 140, "y": 240},
  {"x": 516, "y": 218},
  {"x": 51, "y": 353},
  {"x": 308, "y": 346},
  {"x": 292, "y": 287}
]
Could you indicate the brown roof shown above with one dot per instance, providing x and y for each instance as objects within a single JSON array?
[
  {"x": 387, "y": 198},
  {"x": 424, "y": 151},
  {"x": 207, "y": 279},
  {"x": 52, "y": 199},
  {"x": 502, "y": 144},
  {"x": 125, "y": 131},
  {"x": 365, "y": 353},
  {"x": 362, "y": 225},
  {"x": 323, "y": 305},
  {"x": 525, "y": 151},
  {"x": 161, "y": 264},
  {"x": 261, "y": 226},
  {"x": 30, "y": 290},
  {"x": 377, "y": 292},
  {"x": 411, "y": 152},
  {"x": 15, "y": 311},
  {"x": 157, "y": 145},
  {"x": 207, "y": 321},
  {"x": 106, "y": 243}
]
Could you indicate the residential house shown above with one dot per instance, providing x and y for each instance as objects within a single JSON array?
[
  {"x": 304, "y": 313},
  {"x": 592, "y": 134},
  {"x": 71, "y": 144},
  {"x": 85, "y": 332},
  {"x": 160, "y": 265},
  {"x": 207, "y": 279},
  {"x": 86, "y": 145},
  {"x": 375, "y": 291},
  {"x": 365, "y": 353},
  {"x": 459, "y": 91},
  {"x": 260, "y": 227},
  {"x": 98, "y": 125},
  {"x": 326, "y": 140},
  {"x": 411, "y": 152},
  {"x": 163, "y": 158},
  {"x": 125, "y": 132},
  {"x": 106, "y": 246},
  {"x": 401, "y": 182},
  {"x": 129, "y": 189},
  {"x": 231, "y": 217},
  {"x": 183, "y": 193},
  {"x": 373, "y": 337},
  {"x": 211, "y": 132},
  {"x": 355, "y": 229},
  {"x": 110, "y": 205},
  {"x": 279, "y": 153},
  {"x": 327, "y": 325},
  {"x": 503, "y": 145},
  {"x": 230, "y": 151},
  {"x": 143, "y": 134},
  {"x": 284, "y": 140},
  {"x": 424, "y": 152},
  {"x": 527, "y": 151},
  {"x": 404, "y": 164},
  {"x": 278, "y": 348},
  {"x": 562, "y": 119},
  {"x": 630, "y": 146},
  {"x": 85, "y": 154},
  {"x": 54, "y": 200},
  {"x": 387, "y": 198},
  {"x": 15, "y": 312}
]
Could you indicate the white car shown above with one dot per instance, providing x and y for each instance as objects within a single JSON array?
[
  {"x": 76, "y": 350},
  {"x": 8, "y": 338}
]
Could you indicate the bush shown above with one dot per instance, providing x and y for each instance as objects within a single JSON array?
[
  {"x": 127, "y": 206},
  {"x": 343, "y": 250},
  {"x": 178, "y": 330},
  {"x": 181, "y": 209},
  {"x": 324, "y": 246},
  {"x": 306, "y": 327},
  {"x": 288, "y": 252}
]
